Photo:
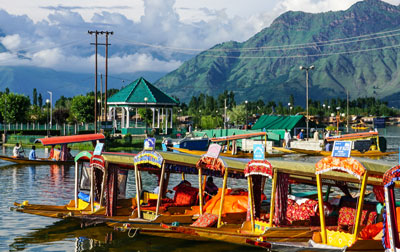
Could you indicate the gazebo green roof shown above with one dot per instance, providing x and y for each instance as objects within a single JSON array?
[{"x": 135, "y": 92}]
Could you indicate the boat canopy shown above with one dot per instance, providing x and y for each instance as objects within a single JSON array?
[
  {"x": 70, "y": 139},
  {"x": 148, "y": 157},
  {"x": 258, "y": 167},
  {"x": 235, "y": 137},
  {"x": 349, "y": 165},
  {"x": 353, "y": 136},
  {"x": 83, "y": 155},
  {"x": 391, "y": 176}
]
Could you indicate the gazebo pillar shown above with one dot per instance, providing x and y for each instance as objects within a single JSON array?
[
  {"x": 154, "y": 114},
  {"x": 158, "y": 117},
  {"x": 127, "y": 117},
  {"x": 166, "y": 120},
  {"x": 123, "y": 117},
  {"x": 136, "y": 118},
  {"x": 171, "y": 117}
]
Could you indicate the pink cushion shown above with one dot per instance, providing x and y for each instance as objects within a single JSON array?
[{"x": 206, "y": 220}]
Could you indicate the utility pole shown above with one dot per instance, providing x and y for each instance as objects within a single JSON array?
[
  {"x": 51, "y": 108},
  {"x": 225, "y": 121},
  {"x": 96, "y": 32},
  {"x": 347, "y": 127},
  {"x": 105, "y": 88}
]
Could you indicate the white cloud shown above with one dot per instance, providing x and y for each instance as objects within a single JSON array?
[{"x": 56, "y": 36}]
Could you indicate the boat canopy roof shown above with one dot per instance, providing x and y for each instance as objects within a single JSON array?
[
  {"x": 235, "y": 137},
  {"x": 350, "y": 165},
  {"x": 83, "y": 155},
  {"x": 70, "y": 139},
  {"x": 391, "y": 175},
  {"x": 258, "y": 167},
  {"x": 353, "y": 136},
  {"x": 148, "y": 157}
]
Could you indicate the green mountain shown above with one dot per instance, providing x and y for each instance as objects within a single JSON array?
[{"x": 266, "y": 66}]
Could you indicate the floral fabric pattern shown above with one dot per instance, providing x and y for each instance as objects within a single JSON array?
[
  {"x": 349, "y": 165},
  {"x": 206, "y": 220},
  {"x": 258, "y": 167},
  {"x": 211, "y": 164},
  {"x": 347, "y": 217}
]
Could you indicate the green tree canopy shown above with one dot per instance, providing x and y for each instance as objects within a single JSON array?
[
  {"x": 14, "y": 107},
  {"x": 82, "y": 108}
]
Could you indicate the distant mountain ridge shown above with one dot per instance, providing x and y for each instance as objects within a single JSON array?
[{"x": 272, "y": 73}]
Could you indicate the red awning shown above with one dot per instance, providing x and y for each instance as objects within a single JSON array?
[{"x": 70, "y": 139}]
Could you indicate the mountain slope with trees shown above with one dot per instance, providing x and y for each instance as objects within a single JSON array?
[{"x": 266, "y": 66}]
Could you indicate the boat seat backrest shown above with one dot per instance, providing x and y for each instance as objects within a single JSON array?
[{"x": 347, "y": 216}]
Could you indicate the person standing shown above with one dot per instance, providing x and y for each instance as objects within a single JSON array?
[
  {"x": 287, "y": 138},
  {"x": 32, "y": 154},
  {"x": 316, "y": 135},
  {"x": 17, "y": 151}
]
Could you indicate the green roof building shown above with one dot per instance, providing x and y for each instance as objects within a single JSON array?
[{"x": 142, "y": 94}]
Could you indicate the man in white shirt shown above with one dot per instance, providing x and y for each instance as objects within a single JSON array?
[
  {"x": 287, "y": 138},
  {"x": 17, "y": 151}
]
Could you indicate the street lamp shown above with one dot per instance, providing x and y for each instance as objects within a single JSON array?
[
  {"x": 51, "y": 108},
  {"x": 145, "y": 113},
  {"x": 290, "y": 108},
  {"x": 246, "y": 112},
  {"x": 337, "y": 119},
  {"x": 47, "y": 120},
  {"x": 99, "y": 115},
  {"x": 216, "y": 118},
  {"x": 323, "y": 105},
  {"x": 307, "y": 69}
]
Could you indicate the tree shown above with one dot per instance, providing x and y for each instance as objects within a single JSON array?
[
  {"x": 82, "y": 108},
  {"x": 237, "y": 114},
  {"x": 34, "y": 97},
  {"x": 63, "y": 102},
  {"x": 14, "y": 107},
  {"x": 40, "y": 100},
  {"x": 60, "y": 115}
]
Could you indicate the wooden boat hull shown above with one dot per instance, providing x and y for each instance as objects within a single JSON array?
[
  {"x": 238, "y": 234},
  {"x": 43, "y": 161},
  {"x": 354, "y": 153},
  {"x": 239, "y": 155},
  {"x": 359, "y": 246}
]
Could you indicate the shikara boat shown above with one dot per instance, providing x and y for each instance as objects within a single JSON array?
[
  {"x": 374, "y": 150},
  {"x": 351, "y": 231},
  {"x": 390, "y": 238},
  {"x": 301, "y": 229},
  {"x": 52, "y": 141},
  {"x": 100, "y": 186},
  {"x": 359, "y": 126}
]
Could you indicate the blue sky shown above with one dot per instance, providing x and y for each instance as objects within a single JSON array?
[{"x": 53, "y": 33}]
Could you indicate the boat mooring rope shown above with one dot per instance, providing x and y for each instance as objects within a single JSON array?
[{"x": 134, "y": 234}]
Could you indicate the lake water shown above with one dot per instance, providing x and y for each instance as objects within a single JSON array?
[{"x": 55, "y": 185}]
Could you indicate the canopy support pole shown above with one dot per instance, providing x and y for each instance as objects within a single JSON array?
[
  {"x": 103, "y": 183},
  {"x": 200, "y": 193},
  {"x": 251, "y": 201},
  {"x": 160, "y": 190},
  {"x": 222, "y": 198},
  {"x": 137, "y": 190},
  {"x": 321, "y": 208},
  {"x": 92, "y": 189},
  {"x": 360, "y": 206},
  {"x": 76, "y": 183},
  {"x": 272, "y": 201}
]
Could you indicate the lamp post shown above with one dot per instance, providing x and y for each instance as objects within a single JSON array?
[
  {"x": 307, "y": 69},
  {"x": 200, "y": 118},
  {"x": 51, "y": 108},
  {"x": 145, "y": 113},
  {"x": 99, "y": 115},
  {"x": 337, "y": 119},
  {"x": 246, "y": 112},
  {"x": 47, "y": 120},
  {"x": 290, "y": 108},
  {"x": 323, "y": 105},
  {"x": 216, "y": 118}
]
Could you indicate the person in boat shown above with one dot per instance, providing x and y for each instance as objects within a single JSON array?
[
  {"x": 210, "y": 189},
  {"x": 56, "y": 154},
  {"x": 301, "y": 135},
  {"x": 17, "y": 152},
  {"x": 328, "y": 146},
  {"x": 287, "y": 138},
  {"x": 32, "y": 154}
]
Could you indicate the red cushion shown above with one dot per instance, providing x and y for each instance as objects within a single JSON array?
[
  {"x": 186, "y": 195},
  {"x": 206, "y": 220},
  {"x": 347, "y": 216}
]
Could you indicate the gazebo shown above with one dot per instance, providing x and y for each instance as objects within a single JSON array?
[{"x": 141, "y": 94}]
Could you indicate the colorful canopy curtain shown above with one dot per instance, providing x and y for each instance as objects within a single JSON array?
[
  {"x": 97, "y": 164},
  {"x": 349, "y": 165},
  {"x": 210, "y": 163},
  {"x": 258, "y": 167},
  {"x": 390, "y": 239},
  {"x": 152, "y": 158}
]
